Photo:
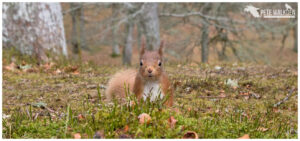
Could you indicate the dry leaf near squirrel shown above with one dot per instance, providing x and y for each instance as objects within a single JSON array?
[
  {"x": 172, "y": 121},
  {"x": 77, "y": 136},
  {"x": 190, "y": 135},
  {"x": 80, "y": 117},
  {"x": 144, "y": 118},
  {"x": 126, "y": 128}
]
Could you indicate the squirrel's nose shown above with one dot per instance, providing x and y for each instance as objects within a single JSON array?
[{"x": 149, "y": 70}]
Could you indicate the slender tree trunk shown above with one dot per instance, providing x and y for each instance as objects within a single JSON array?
[
  {"x": 34, "y": 28},
  {"x": 82, "y": 28},
  {"x": 205, "y": 36},
  {"x": 127, "y": 51},
  {"x": 223, "y": 56},
  {"x": 295, "y": 28},
  {"x": 204, "y": 43},
  {"x": 115, "y": 42},
  {"x": 284, "y": 36},
  {"x": 295, "y": 38},
  {"x": 140, "y": 34},
  {"x": 150, "y": 23},
  {"x": 78, "y": 37}
]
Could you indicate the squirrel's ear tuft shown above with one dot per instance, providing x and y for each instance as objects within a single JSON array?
[
  {"x": 142, "y": 47},
  {"x": 160, "y": 50}
]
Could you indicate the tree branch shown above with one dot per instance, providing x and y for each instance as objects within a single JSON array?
[{"x": 201, "y": 15}]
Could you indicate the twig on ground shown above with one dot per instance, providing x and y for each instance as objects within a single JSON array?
[
  {"x": 212, "y": 96},
  {"x": 285, "y": 99},
  {"x": 36, "y": 115},
  {"x": 257, "y": 96}
]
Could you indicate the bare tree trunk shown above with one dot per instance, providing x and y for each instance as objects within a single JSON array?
[
  {"x": 75, "y": 30},
  {"x": 295, "y": 38},
  {"x": 34, "y": 28},
  {"x": 205, "y": 35},
  {"x": 284, "y": 36},
  {"x": 115, "y": 42},
  {"x": 82, "y": 28},
  {"x": 140, "y": 34},
  {"x": 78, "y": 30},
  {"x": 223, "y": 54},
  {"x": 127, "y": 51},
  {"x": 150, "y": 23},
  {"x": 295, "y": 28},
  {"x": 204, "y": 43}
]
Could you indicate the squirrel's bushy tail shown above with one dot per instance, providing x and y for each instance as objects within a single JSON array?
[{"x": 115, "y": 86}]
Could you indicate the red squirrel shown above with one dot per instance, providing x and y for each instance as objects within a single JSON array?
[{"x": 149, "y": 81}]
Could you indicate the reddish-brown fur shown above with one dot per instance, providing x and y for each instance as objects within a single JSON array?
[{"x": 149, "y": 70}]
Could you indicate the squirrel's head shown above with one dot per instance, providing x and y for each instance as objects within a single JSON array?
[{"x": 151, "y": 65}]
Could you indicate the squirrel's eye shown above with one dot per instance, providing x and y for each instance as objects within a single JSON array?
[
  {"x": 159, "y": 64},
  {"x": 141, "y": 63}
]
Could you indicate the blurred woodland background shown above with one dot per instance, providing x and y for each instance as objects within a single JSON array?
[
  {"x": 111, "y": 33},
  {"x": 234, "y": 75}
]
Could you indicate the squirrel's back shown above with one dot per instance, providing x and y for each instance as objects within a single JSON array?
[{"x": 116, "y": 84}]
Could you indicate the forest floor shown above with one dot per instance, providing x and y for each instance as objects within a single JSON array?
[{"x": 64, "y": 100}]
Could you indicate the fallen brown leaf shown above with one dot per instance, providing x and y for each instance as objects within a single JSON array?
[
  {"x": 176, "y": 110},
  {"x": 172, "y": 121},
  {"x": 69, "y": 129},
  {"x": 177, "y": 83},
  {"x": 58, "y": 71},
  {"x": 126, "y": 128},
  {"x": 11, "y": 67},
  {"x": 222, "y": 95},
  {"x": 76, "y": 72},
  {"x": 144, "y": 118},
  {"x": 48, "y": 66},
  {"x": 74, "y": 68},
  {"x": 190, "y": 135},
  {"x": 80, "y": 117},
  {"x": 77, "y": 136},
  {"x": 70, "y": 68},
  {"x": 30, "y": 70},
  {"x": 132, "y": 104},
  {"x": 193, "y": 64},
  {"x": 246, "y": 136},
  {"x": 244, "y": 93},
  {"x": 23, "y": 63},
  {"x": 276, "y": 110},
  {"x": 234, "y": 87}
]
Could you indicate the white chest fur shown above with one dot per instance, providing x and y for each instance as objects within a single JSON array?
[{"x": 152, "y": 90}]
